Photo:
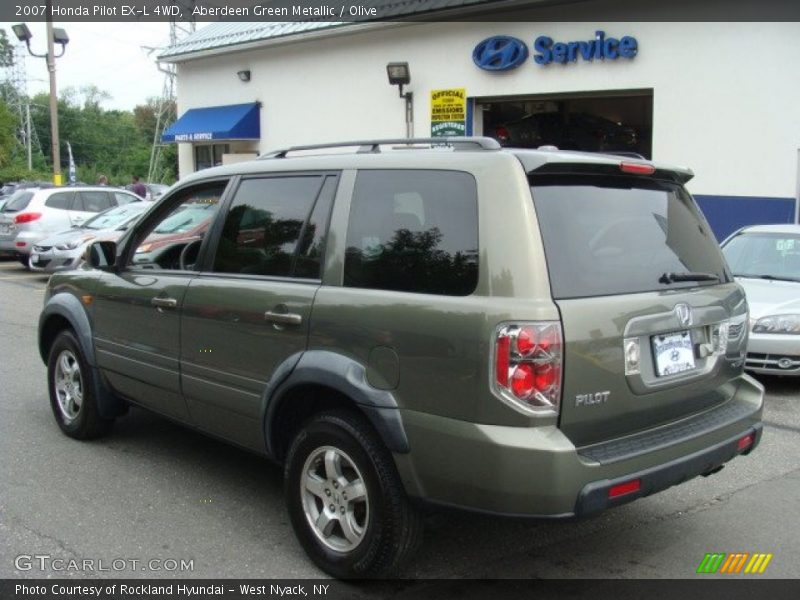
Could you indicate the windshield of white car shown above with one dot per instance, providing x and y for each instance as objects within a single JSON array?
[
  {"x": 115, "y": 216},
  {"x": 762, "y": 255},
  {"x": 185, "y": 218}
]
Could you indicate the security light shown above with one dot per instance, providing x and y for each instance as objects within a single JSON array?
[
  {"x": 60, "y": 36},
  {"x": 399, "y": 73},
  {"x": 244, "y": 75},
  {"x": 22, "y": 32}
]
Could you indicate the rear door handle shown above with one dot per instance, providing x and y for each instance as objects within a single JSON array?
[
  {"x": 164, "y": 302},
  {"x": 283, "y": 318}
]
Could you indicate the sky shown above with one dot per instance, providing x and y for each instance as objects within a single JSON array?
[{"x": 108, "y": 55}]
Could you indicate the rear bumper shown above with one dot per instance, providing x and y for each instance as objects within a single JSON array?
[
  {"x": 595, "y": 497},
  {"x": 21, "y": 244},
  {"x": 538, "y": 472}
]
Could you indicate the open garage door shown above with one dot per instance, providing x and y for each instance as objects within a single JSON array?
[{"x": 592, "y": 121}]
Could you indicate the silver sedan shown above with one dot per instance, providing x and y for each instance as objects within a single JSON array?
[
  {"x": 765, "y": 259},
  {"x": 64, "y": 251}
]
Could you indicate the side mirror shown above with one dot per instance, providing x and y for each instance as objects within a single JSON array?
[{"x": 103, "y": 255}]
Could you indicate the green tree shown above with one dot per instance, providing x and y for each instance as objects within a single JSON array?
[
  {"x": 112, "y": 142},
  {"x": 6, "y": 50},
  {"x": 8, "y": 142}
]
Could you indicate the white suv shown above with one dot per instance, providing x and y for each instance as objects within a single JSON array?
[{"x": 33, "y": 214}]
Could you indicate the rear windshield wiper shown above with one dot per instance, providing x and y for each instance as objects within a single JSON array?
[
  {"x": 668, "y": 278},
  {"x": 768, "y": 277}
]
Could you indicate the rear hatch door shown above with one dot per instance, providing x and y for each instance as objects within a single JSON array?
[
  {"x": 18, "y": 202},
  {"x": 646, "y": 301}
]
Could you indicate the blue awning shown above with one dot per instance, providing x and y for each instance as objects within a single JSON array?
[{"x": 231, "y": 122}]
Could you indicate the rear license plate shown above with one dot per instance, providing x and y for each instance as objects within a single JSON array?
[
  {"x": 673, "y": 352},
  {"x": 5, "y": 228}
]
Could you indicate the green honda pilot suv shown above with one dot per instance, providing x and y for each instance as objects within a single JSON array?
[{"x": 535, "y": 333}]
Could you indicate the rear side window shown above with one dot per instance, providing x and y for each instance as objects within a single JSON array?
[
  {"x": 608, "y": 235},
  {"x": 123, "y": 198},
  {"x": 61, "y": 201},
  {"x": 93, "y": 202},
  {"x": 19, "y": 201},
  {"x": 413, "y": 231},
  {"x": 266, "y": 221}
]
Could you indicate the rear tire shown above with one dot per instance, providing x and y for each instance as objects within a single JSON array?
[
  {"x": 71, "y": 386},
  {"x": 368, "y": 534},
  {"x": 23, "y": 260}
]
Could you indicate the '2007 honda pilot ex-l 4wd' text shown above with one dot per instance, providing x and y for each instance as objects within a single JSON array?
[{"x": 518, "y": 332}]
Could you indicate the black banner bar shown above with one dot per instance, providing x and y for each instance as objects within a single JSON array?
[
  {"x": 397, "y": 10},
  {"x": 730, "y": 588}
]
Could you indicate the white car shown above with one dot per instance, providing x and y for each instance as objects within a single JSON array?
[
  {"x": 765, "y": 259},
  {"x": 64, "y": 251},
  {"x": 33, "y": 214}
]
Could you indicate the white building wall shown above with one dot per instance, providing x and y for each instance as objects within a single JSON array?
[{"x": 726, "y": 95}]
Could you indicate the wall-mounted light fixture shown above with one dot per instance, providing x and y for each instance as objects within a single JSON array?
[
  {"x": 244, "y": 75},
  {"x": 400, "y": 75}
]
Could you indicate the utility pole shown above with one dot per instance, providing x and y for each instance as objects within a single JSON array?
[
  {"x": 51, "y": 68},
  {"x": 166, "y": 108},
  {"x": 28, "y": 135},
  {"x": 54, "y": 36}
]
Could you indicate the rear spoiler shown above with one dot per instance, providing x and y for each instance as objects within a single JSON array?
[
  {"x": 564, "y": 168},
  {"x": 571, "y": 163}
]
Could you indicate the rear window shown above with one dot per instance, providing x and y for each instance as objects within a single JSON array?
[
  {"x": 609, "y": 235},
  {"x": 19, "y": 201}
]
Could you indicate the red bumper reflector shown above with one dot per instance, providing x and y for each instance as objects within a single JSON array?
[
  {"x": 747, "y": 441},
  {"x": 625, "y": 488},
  {"x": 20, "y": 244}
]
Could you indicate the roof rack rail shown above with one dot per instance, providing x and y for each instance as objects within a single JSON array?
[{"x": 374, "y": 146}]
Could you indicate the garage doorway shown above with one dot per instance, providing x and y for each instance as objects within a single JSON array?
[{"x": 619, "y": 121}]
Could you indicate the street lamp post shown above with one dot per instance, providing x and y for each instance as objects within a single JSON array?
[{"x": 55, "y": 35}]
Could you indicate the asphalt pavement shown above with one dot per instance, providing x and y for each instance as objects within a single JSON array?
[{"x": 155, "y": 491}]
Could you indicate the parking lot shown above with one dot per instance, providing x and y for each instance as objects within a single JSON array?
[{"x": 154, "y": 491}]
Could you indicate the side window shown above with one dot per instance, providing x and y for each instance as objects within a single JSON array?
[
  {"x": 95, "y": 201},
  {"x": 413, "y": 231},
  {"x": 171, "y": 239},
  {"x": 123, "y": 198},
  {"x": 267, "y": 220},
  {"x": 61, "y": 201}
]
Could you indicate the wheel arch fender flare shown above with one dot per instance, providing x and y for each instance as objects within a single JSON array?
[
  {"x": 68, "y": 307},
  {"x": 344, "y": 375}
]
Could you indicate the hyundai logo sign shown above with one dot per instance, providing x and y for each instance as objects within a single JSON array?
[
  {"x": 500, "y": 53},
  {"x": 503, "y": 52}
]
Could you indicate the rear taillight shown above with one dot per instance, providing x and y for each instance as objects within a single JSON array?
[
  {"x": 27, "y": 217},
  {"x": 527, "y": 366}
]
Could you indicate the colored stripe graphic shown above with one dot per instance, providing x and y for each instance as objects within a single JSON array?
[
  {"x": 711, "y": 562},
  {"x": 735, "y": 562},
  {"x": 722, "y": 563},
  {"x": 758, "y": 564}
]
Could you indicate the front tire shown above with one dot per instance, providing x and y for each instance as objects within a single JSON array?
[
  {"x": 71, "y": 387},
  {"x": 345, "y": 499}
]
